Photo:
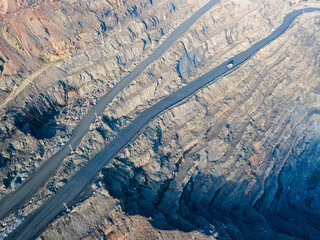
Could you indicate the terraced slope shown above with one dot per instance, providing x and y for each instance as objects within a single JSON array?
[{"x": 237, "y": 160}]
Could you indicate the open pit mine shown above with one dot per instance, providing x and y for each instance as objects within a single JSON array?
[{"x": 160, "y": 119}]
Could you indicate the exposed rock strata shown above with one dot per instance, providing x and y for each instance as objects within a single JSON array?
[
  {"x": 237, "y": 160},
  {"x": 60, "y": 88},
  {"x": 241, "y": 154}
]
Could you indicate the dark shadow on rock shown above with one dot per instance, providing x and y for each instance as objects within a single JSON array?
[
  {"x": 41, "y": 125},
  {"x": 288, "y": 208}
]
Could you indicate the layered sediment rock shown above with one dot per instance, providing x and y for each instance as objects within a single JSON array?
[
  {"x": 63, "y": 89},
  {"x": 238, "y": 160},
  {"x": 241, "y": 155}
]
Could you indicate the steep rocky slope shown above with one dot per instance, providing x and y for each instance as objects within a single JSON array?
[
  {"x": 238, "y": 160},
  {"x": 63, "y": 91}
]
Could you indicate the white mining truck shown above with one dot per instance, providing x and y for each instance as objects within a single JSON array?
[{"x": 230, "y": 64}]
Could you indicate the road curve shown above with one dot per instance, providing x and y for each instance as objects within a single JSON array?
[
  {"x": 33, "y": 225},
  {"x": 14, "y": 200}
]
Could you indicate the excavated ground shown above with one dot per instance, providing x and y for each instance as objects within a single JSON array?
[{"x": 238, "y": 160}]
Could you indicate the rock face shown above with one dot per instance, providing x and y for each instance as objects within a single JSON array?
[
  {"x": 66, "y": 86},
  {"x": 241, "y": 156},
  {"x": 238, "y": 160}
]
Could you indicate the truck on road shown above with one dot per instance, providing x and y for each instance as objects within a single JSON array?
[{"x": 230, "y": 64}]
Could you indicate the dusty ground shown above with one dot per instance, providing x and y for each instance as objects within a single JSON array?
[{"x": 243, "y": 148}]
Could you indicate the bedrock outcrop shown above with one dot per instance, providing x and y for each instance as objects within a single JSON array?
[
  {"x": 241, "y": 155},
  {"x": 238, "y": 160},
  {"x": 43, "y": 105}
]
